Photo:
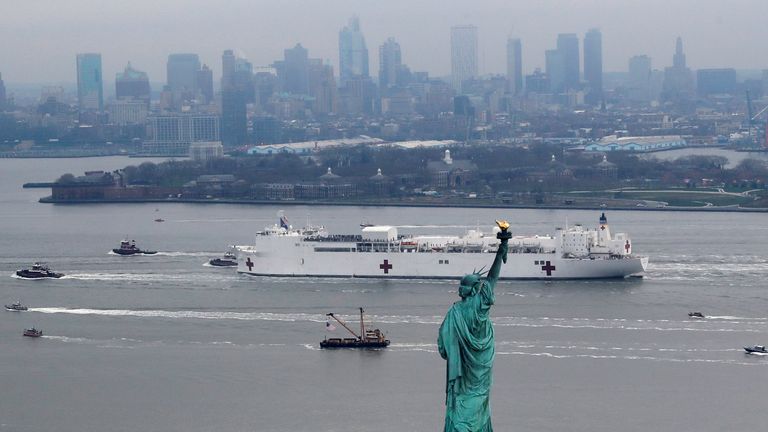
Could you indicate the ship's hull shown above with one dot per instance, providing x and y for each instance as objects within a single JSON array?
[
  {"x": 133, "y": 252},
  {"x": 343, "y": 343},
  {"x": 222, "y": 263},
  {"x": 293, "y": 257},
  {"x": 26, "y": 274}
]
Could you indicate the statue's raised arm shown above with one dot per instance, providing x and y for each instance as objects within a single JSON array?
[{"x": 501, "y": 254}]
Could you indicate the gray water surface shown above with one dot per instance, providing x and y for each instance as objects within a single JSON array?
[{"x": 165, "y": 343}]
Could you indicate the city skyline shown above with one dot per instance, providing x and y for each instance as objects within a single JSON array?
[{"x": 121, "y": 33}]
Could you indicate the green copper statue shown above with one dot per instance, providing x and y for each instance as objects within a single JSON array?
[{"x": 466, "y": 342}]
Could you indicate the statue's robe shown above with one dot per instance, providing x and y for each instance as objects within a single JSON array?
[{"x": 466, "y": 342}]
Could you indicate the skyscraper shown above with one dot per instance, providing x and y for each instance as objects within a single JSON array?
[
  {"x": 182, "y": 70},
  {"x": 593, "y": 66},
  {"x": 639, "y": 82},
  {"x": 2, "y": 93},
  {"x": 390, "y": 63},
  {"x": 678, "y": 79},
  {"x": 568, "y": 45},
  {"x": 353, "y": 53},
  {"x": 294, "y": 73},
  {"x": 555, "y": 69},
  {"x": 132, "y": 84},
  {"x": 463, "y": 54},
  {"x": 237, "y": 89},
  {"x": 90, "y": 96},
  {"x": 514, "y": 66},
  {"x": 204, "y": 82}
]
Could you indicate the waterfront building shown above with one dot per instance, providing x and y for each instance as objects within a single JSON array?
[
  {"x": 637, "y": 144},
  {"x": 514, "y": 66},
  {"x": 205, "y": 151},
  {"x": 172, "y": 134},
  {"x": 132, "y": 84},
  {"x": 90, "y": 96},
  {"x": 463, "y": 54},
  {"x": 568, "y": 46},
  {"x": 639, "y": 80},
  {"x": 715, "y": 81},
  {"x": 353, "y": 53},
  {"x": 390, "y": 63},
  {"x": 593, "y": 67}
]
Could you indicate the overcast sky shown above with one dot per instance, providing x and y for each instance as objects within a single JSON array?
[{"x": 39, "y": 38}]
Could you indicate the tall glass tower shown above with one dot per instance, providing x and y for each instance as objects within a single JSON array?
[
  {"x": 390, "y": 62},
  {"x": 353, "y": 53},
  {"x": 463, "y": 54},
  {"x": 593, "y": 66},
  {"x": 90, "y": 96},
  {"x": 514, "y": 66}
]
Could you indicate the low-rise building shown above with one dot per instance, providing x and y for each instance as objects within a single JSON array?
[{"x": 637, "y": 144}]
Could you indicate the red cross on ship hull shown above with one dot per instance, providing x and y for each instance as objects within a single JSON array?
[
  {"x": 386, "y": 266},
  {"x": 548, "y": 267}
]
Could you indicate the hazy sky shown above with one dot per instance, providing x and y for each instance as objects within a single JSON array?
[{"x": 39, "y": 38}]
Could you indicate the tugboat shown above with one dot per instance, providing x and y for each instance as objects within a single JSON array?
[
  {"x": 33, "y": 332},
  {"x": 756, "y": 349},
  {"x": 228, "y": 260},
  {"x": 18, "y": 307},
  {"x": 697, "y": 315},
  {"x": 366, "y": 339},
  {"x": 38, "y": 271},
  {"x": 130, "y": 248}
]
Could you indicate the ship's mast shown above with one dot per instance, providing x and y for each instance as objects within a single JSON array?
[
  {"x": 343, "y": 324},
  {"x": 362, "y": 324}
]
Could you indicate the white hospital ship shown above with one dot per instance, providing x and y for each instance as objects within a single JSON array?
[{"x": 381, "y": 252}]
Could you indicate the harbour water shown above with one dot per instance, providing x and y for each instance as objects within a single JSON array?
[{"x": 165, "y": 343}]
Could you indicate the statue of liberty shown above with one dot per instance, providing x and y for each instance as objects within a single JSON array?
[{"x": 466, "y": 342}]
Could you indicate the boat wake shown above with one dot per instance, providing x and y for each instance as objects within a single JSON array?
[
  {"x": 188, "y": 254},
  {"x": 186, "y": 314},
  {"x": 148, "y": 277},
  {"x": 735, "y": 325}
]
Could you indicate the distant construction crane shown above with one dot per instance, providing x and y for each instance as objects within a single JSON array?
[{"x": 752, "y": 122}]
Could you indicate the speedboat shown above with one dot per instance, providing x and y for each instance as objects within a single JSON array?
[
  {"x": 38, "y": 271},
  {"x": 228, "y": 260},
  {"x": 698, "y": 315},
  {"x": 33, "y": 332},
  {"x": 16, "y": 307},
  {"x": 756, "y": 349},
  {"x": 130, "y": 248}
]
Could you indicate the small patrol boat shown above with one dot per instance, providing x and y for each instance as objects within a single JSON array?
[
  {"x": 756, "y": 349},
  {"x": 17, "y": 307},
  {"x": 130, "y": 248},
  {"x": 697, "y": 315},
  {"x": 229, "y": 259},
  {"x": 38, "y": 271},
  {"x": 368, "y": 338},
  {"x": 33, "y": 332}
]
